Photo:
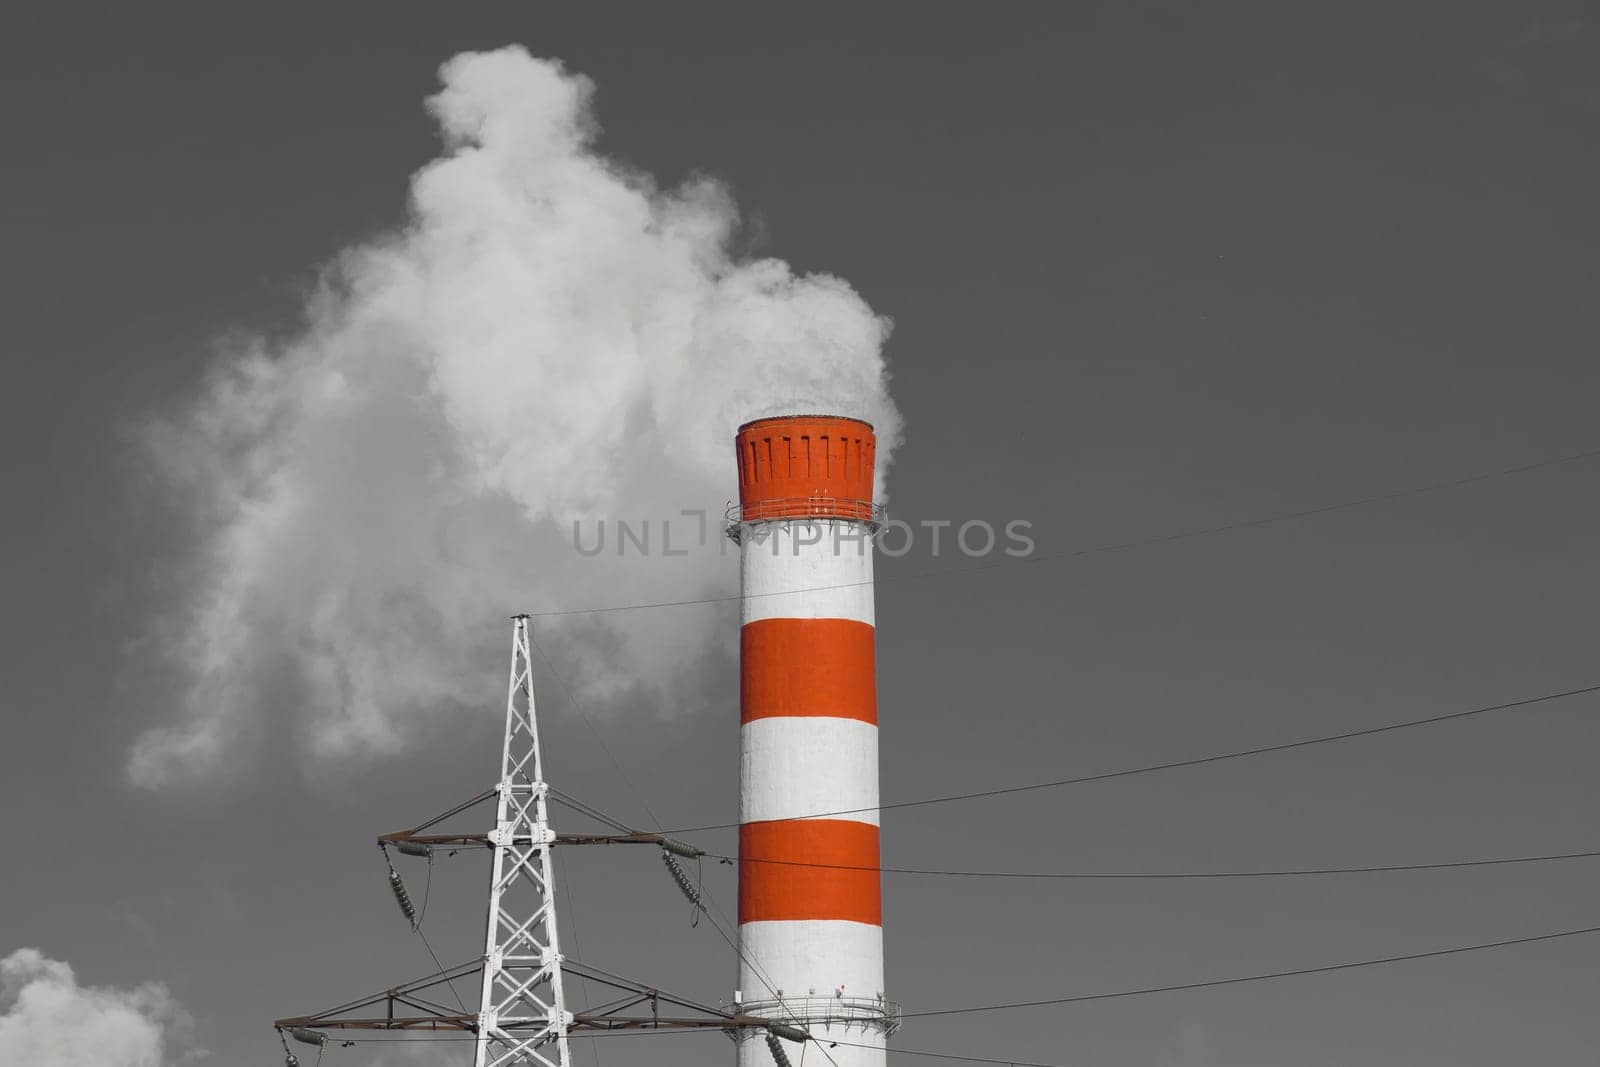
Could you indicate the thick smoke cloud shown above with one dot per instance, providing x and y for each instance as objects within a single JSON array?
[
  {"x": 48, "y": 1020},
  {"x": 550, "y": 338}
]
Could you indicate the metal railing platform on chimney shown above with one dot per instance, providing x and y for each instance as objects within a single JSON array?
[
  {"x": 872, "y": 1012},
  {"x": 803, "y": 509}
]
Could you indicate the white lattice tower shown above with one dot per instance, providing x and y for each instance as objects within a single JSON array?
[{"x": 522, "y": 1014}]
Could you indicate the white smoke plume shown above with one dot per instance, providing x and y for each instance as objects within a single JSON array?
[
  {"x": 48, "y": 1020},
  {"x": 550, "y": 337}
]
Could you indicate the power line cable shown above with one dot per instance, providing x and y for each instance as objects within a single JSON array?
[
  {"x": 427, "y": 893},
  {"x": 1170, "y": 765},
  {"x": 577, "y": 948},
  {"x": 1214, "y": 983},
  {"x": 568, "y": 800},
  {"x": 1120, "y": 546},
  {"x": 419, "y": 1040},
  {"x": 622, "y": 827},
  {"x": 594, "y": 730},
  {"x": 404, "y": 900},
  {"x": 1268, "y": 976},
  {"x": 1013, "y": 1062},
  {"x": 600, "y": 816},
  {"x": 1293, "y": 872},
  {"x": 756, "y": 969},
  {"x": 447, "y": 979}
]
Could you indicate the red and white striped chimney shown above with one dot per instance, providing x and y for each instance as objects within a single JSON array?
[{"x": 811, "y": 937}]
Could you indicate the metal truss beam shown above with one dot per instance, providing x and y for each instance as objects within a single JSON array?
[{"x": 616, "y": 1014}]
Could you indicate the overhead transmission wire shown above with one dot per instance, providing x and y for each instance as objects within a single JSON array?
[
  {"x": 1291, "y": 872},
  {"x": 409, "y": 910},
  {"x": 1198, "y": 761},
  {"x": 427, "y": 892},
  {"x": 622, "y": 827},
  {"x": 1266, "y": 976},
  {"x": 1109, "y": 876},
  {"x": 447, "y": 980},
  {"x": 1177, "y": 987},
  {"x": 1172, "y": 765},
  {"x": 699, "y": 896},
  {"x": 1095, "y": 550},
  {"x": 1260, "y": 750},
  {"x": 891, "y": 1050},
  {"x": 579, "y": 806},
  {"x": 577, "y": 947},
  {"x": 1457, "y": 950},
  {"x": 764, "y": 979},
  {"x": 1179, "y": 875},
  {"x": 594, "y": 731}
]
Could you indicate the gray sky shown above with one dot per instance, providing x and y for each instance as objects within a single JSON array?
[{"x": 1151, "y": 269}]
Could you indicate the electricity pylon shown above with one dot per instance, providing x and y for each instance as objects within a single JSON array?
[{"x": 522, "y": 1013}]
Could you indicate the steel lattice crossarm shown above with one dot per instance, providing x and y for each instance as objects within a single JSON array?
[
  {"x": 639, "y": 1007},
  {"x": 421, "y": 842},
  {"x": 405, "y": 837},
  {"x": 395, "y": 1003}
]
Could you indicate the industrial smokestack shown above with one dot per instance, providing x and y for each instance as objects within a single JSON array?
[{"x": 810, "y": 899}]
